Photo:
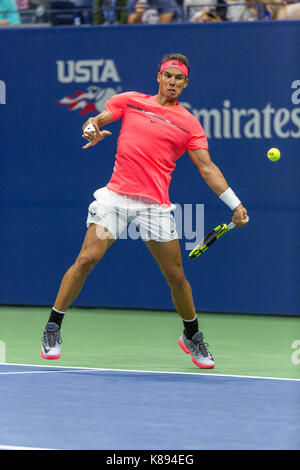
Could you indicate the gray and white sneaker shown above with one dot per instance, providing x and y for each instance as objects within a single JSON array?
[
  {"x": 198, "y": 350},
  {"x": 51, "y": 342}
]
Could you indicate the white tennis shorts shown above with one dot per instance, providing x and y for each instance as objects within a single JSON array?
[{"x": 117, "y": 212}]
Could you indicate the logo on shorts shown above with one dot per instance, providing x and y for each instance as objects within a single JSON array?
[
  {"x": 92, "y": 213},
  {"x": 104, "y": 82}
]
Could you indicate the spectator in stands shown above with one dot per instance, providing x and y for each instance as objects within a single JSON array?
[
  {"x": 289, "y": 12},
  {"x": 200, "y": 12},
  {"x": 284, "y": 10},
  {"x": 255, "y": 11},
  {"x": 40, "y": 9},
  {"x": 84, "y": 11},
  {"x": 26, "y": 11},
  {"x": 137, "y": 10},
  {"x": 110, "y": 11},
  {"x": 149, "y": 13},
  {"x": 9, "y": 15},
  {"x": 208, "y": 15},
  {"x": 71, "y": 12},
  {"x": 208, "y": 11},
  {"x": 251, "y": 10},
  {"x": 22, "y": 4},
  {"x": 237, "y": 10}
]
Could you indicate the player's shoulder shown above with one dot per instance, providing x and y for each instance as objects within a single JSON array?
[
  {"x": 189, "y": 115},
  {"x": 185, "y": 110},
  {"x": 138, "y": 97},
  {"x": 133, "y": 98},
  {"x": 132, "y": 94}
]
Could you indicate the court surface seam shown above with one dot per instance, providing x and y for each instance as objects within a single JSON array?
[{"x": 83, "y": 369}]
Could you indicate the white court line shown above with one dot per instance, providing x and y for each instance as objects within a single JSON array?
[
  {"x": 3, "y": 447},
  {"x": 41, "y": 372},
  {"x": 87, "y": 369}
]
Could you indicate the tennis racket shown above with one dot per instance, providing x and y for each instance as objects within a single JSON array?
[{"x": 211, "y": 238}]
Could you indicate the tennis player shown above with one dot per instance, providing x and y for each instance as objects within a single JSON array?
[{"x": 155, "y": 132}]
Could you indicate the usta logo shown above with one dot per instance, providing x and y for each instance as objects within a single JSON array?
[{"x": 93, "y": 99}]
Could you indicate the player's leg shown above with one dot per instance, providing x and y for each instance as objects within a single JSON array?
[
  {"x": 168, "y": 257},
  {"x": 96, "y": 242},
  {"x": 92, "y": 250}
]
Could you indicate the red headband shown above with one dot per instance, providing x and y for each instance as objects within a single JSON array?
[{"x": 176, "y": 65}]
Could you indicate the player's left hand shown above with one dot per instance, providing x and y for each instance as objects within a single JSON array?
[
  {"x": 94, "y": 138},
  {"x": 240, "y": 217}
]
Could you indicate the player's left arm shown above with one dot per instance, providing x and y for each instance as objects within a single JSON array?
[{"x": 214, "y": 178}]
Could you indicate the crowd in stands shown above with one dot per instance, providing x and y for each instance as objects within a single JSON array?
[{"x": 106, "y": 12}]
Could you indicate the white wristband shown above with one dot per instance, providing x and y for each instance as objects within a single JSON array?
[{"x": 230, "y": 199}]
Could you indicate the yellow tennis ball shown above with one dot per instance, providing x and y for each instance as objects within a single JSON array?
[{"x": 273, "y": 154}]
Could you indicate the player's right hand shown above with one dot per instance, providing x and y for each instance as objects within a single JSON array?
[{"x": 240, "y": 216}]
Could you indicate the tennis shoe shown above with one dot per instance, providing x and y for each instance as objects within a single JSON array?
[
  {"x": 198, "y": 350},
  {"x": 51, "y": 342}
]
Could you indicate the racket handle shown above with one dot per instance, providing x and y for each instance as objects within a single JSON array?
[{"x": 232, "y": 224}]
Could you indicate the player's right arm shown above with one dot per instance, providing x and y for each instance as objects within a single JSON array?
[
  {"x": 214, "y": 178},
  {"x": 102, "y": 119}
]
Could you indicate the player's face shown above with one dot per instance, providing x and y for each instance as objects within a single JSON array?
[{"x": 171, "y": 83}]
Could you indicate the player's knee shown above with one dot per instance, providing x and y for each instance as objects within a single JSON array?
[
  {"x": 176, "y": 278},
  {"x": 84, "y": 264}
]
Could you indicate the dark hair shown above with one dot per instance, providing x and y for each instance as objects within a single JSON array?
[{"x": 180, "y": 57}]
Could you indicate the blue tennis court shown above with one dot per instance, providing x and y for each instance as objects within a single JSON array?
[{"x": 78, "y": 408}]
